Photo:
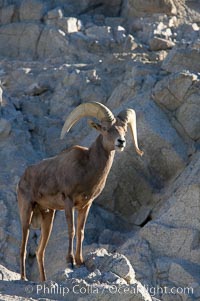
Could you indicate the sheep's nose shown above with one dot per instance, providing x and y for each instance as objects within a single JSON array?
[{"x": 121, "y": 141}]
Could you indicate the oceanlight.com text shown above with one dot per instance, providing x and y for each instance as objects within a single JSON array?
[{"x": 56, "y": 289}]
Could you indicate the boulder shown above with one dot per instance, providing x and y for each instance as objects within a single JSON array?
[
  {"x": 183, "y": 57},
  {"x": 105, "y": 262},
  {"x": 8, "y": 275},
  {"x": 188, "y": 113},
  {"x": 19, "y": 40},
  {"x": 31, "y": 10},
  {"x": 185, "y": 197},
  {"x": 68, "y": 25},
  {"x": 157, "y": 44},
  {"x": 140, "y": 8},
  {"x": 138, "y": 251},
  {"x": 179, "y": 92},
  {"x": 184, "y": 193},
  {"x": 52, "y": 43},
  {"x": 174, "y": 232},
  {"x": 107, "y": 273},
  {"x": 170, "y": 92},
  {"x": 166, "y": 240},
  {"x": 54, "y": 14}
]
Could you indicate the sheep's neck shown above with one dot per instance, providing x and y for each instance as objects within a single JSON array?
[{"x": 101, "y": 158}]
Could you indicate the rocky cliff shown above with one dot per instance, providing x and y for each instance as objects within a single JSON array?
[{"x": 144, "y": 55}]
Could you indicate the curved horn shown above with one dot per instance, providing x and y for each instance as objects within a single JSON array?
[
  {"x": 129, "y": 117},
  {"x": 92, "y": 109}
]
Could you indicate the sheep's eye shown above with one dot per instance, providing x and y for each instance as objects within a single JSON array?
[{"x": 104, "y": 128}]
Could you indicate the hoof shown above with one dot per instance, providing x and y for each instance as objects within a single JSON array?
[
  {"x": 71, "y": 262},
  {"x": 71, "y": 265},
  {"x": 80, "y": 263}
]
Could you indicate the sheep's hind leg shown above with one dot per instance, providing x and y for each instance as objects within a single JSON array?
[
  {"x": 69, "y": 212},
  {"x": 25, "y": 211},
  {"x": 46, "y": 227}
]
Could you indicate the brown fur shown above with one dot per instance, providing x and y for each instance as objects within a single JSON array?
[{"x": 71, "y": 180}]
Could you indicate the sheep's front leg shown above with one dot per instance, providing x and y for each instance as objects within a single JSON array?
[
  {"x": 81, "y": 220},
  {"x": 69, "y": 212}
]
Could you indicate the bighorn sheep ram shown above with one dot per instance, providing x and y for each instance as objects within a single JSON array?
[{"x": 71, "y": 180}]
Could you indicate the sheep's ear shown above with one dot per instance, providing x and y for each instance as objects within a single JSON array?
[{"x": 94, "y": 125}]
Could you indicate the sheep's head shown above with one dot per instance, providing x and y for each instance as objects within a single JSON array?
[
  {"x": 113, "y": 133},
  {"x": 112, "y": 129}
]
